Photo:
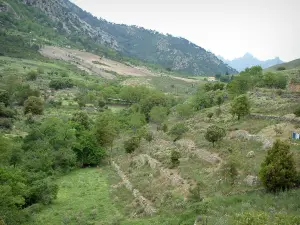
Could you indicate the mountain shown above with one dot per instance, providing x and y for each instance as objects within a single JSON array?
[
  {"x": 80, "y": 28},
  {"x": 249, "y": 60}
]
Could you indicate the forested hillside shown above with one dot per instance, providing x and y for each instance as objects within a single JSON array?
[{"x": 82, "y": 28}]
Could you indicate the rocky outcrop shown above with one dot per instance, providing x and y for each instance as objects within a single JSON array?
[
  {"x": 243, "y": 134},
  {"x": 251, "y": 180},
  {"x": 145, "y": 203}
]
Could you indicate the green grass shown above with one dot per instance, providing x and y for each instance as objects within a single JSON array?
[{"x": 83, "y": 198}]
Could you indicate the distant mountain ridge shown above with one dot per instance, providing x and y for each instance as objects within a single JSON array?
[
  {"x": 150, "y": 46},
  {"x": 248, "y": 60}
]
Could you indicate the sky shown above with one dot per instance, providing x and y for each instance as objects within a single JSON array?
[{"x": 230, "y": 28}]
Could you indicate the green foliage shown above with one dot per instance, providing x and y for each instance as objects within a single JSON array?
[
  {"x": 240, "y": 106},
  {"x": 132, "y": 144},
  {"x": 210, "y": 115},
  {"x": 136, "y": 121},
  {"x": 82, "y": 120},
  {"x": 280, "y": 68},
  {"x": 62, "y": 83},
  {"x": 158, "y": 114},
  {"x": 214, "y": 86},
  {"x": 6, "y": 123},
  {"x": 215, "y": 133},
  {"x": 87, "y": 150},
  {"x": 274, "y": 80},
  {"x": 32, "y": 75},
  {"x": 134, "y": 94},
  {"x": 106, "y": 128},
  {"x": 34, "y": 105},
  {"x": 154, "y": 99},
  {"x": 196, "y": 193},
  {"x": 184, "y": 110},
  {"x": 175, "y": 155},
  {"x": 178, "y": 130},
  {"x": 229, "y": 170},
  {"x": 6, "y": 112},
  {"x": 261, "y": 217},
  {"x": 23, "y": 92},
  {"x": 278, "y": 170},
  {"x": 297, "y": 111},
  {"x": 4, "y": 97}
]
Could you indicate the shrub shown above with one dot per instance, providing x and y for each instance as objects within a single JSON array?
[
  {"x": 4, "y": 97},
  {"x": 184, "y": 110},
  {"x": 6, "y": 123},
  {"x": 278, "y": 170},
  {"x": 229, "y": 171},
  {"x": 175, "y": 155},
  {"x": 61, "y": 84},
  {"x": 40, "y": 70},
  {"x": 33, "y": 105},
  {"x": 280, "y": 68},
  {"x": 297, "y": 111},
  {"x": 32, "y": 75},
  {"x": 148, "y": 136},
  {"x": 195, "y": 193},
  {"x": 210, "y": 115},
  {"x": 178, "y": 130},
  {"x": 214, "y": 134},
  {"x": 132, "y": 144},
  {"x": 6, "y": 112}
]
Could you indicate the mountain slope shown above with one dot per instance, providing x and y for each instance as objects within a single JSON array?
[
  {"x": 295, "y": 64},
  {"x": 249, "y": 60},
  {"x": 150, "y": 46}
]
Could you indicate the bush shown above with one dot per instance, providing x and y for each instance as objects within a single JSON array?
[
  {"x": 210, "y": 115},
  {"x": 132, "y": 144},
  {"x": 33, "y": 105},
  {"x": 229, "y": 171},
  {"x": 278, "y": 170},
  {"x": 178, "y": 130},
  {"x": 23, "y": 92},
  {"x": 6, "y": 123},
  {"x": 6, "y": 112},
  {"x": 297, "y": 111},
  {"x": 4, "y": 97},
  {"x": 175, "y": 155},
  {"x": 32, "y": 75},
  {"x": 280, "y": 68},
  {"x": 148, "y": 136},
  {"x": 61, "y": 84},
  {"x": 214, "y": 134}
]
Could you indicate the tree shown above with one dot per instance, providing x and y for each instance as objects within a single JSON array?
[
  {"x": 184, "y": 110},
  {"x": 278, "y": 171},
  {"x": 34, "y": 105},
  {"x": 240, "y": 106},
  {"x": 214, "y": 134},
  {"x": 137, "y": 120},
  {"x": 158, "y": 114},
  {"x": 220, "y": 100},
  {"x": 178, "y": 130},
  {"x": 81, "y": 119},
  {"x": 106, "y": 128}
]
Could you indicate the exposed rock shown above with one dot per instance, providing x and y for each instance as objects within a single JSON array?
[
  {"x": 189, "y": 146},
  {"x": 243, "y": 134},
  {"x": 251, "y": 180},
  {"x": 251, "y": 154}
]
